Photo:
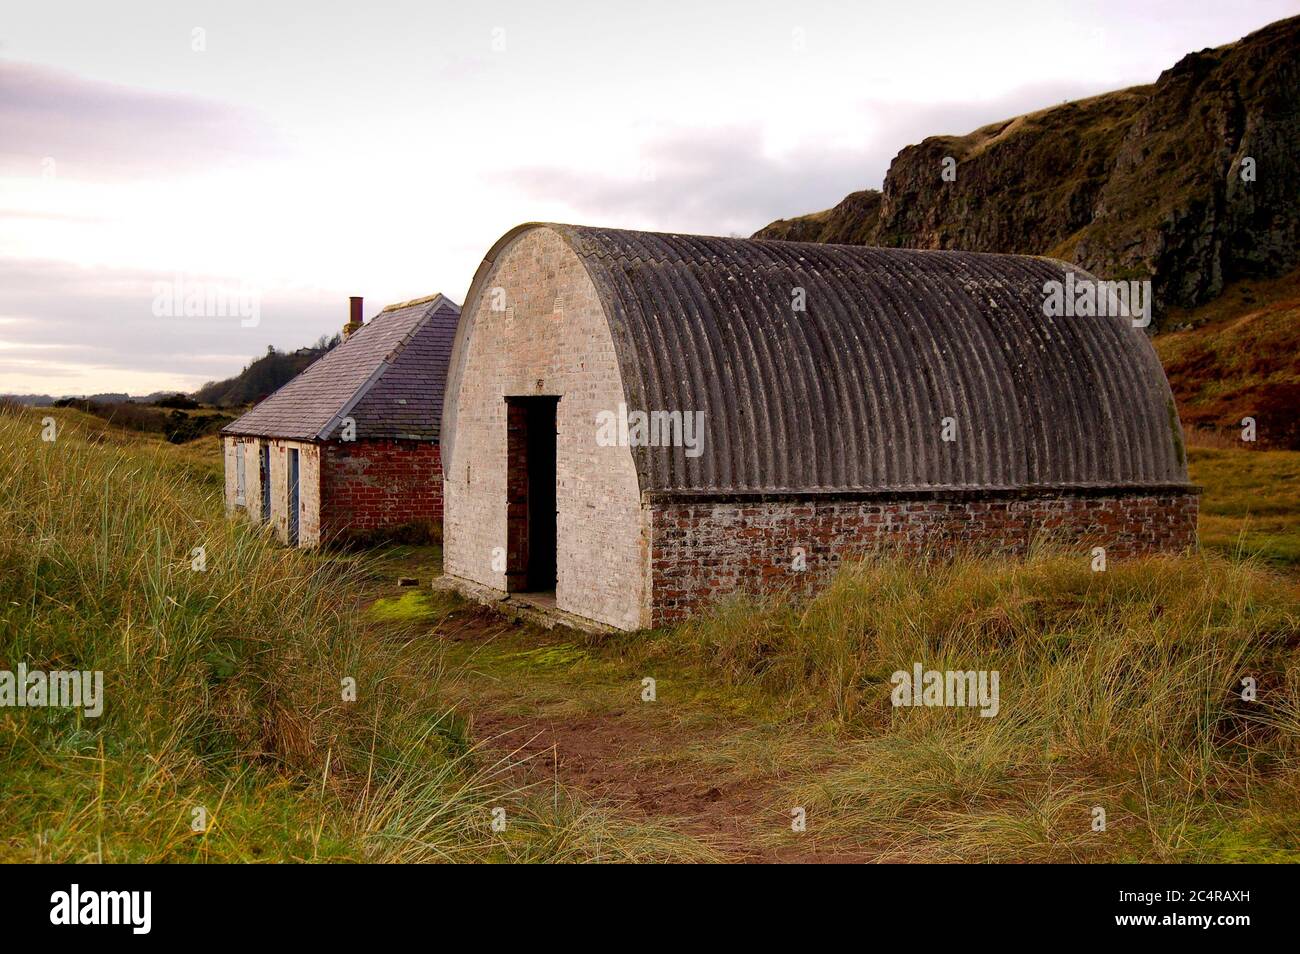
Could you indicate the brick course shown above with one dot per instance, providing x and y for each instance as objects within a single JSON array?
[
  {"x": 703, "y": 551},
  {"x": 377, "y": 485}
]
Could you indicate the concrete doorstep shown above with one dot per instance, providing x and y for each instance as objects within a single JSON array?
[{"x": 536, "y": 608}]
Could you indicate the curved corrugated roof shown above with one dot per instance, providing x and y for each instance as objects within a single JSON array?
[
  {"x": 388, "y": 377},
  {"x": 850, "y": 395}
]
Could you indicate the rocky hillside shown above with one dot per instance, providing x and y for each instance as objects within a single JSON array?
[{"x": 1141, "y": 183}]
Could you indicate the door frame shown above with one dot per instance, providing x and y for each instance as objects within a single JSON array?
[{"x": 295, "y": 496}]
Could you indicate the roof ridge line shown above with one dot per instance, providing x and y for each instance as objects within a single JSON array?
[
  {"x": 385, "y": 363},
  {"x": 397, "y": 306}
]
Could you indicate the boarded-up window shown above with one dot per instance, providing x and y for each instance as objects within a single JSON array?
[{"x": 239, "y": 475}]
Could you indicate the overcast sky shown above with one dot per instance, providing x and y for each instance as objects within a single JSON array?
[{"x": 304, "y": 152}]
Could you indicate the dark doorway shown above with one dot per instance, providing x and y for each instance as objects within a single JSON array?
[
  {"x": 293, "y": 498},
  {"x": 530, "y": 493}
]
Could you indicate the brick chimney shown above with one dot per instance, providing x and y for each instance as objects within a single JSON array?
[{"x": 354, "y": 317}]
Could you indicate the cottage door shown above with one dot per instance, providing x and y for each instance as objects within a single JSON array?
[
  {"x": 264, "y": 470},
  {"x": 293, "y": 498}
]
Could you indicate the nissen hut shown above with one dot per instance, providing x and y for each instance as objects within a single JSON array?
[{"x": 638, "y": 424}]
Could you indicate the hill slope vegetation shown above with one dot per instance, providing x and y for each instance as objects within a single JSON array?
[{"x": 263, "y": 376}]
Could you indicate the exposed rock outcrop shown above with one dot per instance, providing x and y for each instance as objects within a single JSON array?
[{"x": 1151, "y": 182}]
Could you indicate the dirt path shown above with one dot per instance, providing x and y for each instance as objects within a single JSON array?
[
  {"x": 699, "y": 760},
  {"x": 605, "y": 758},
  {"x": 575, "y": 718}
]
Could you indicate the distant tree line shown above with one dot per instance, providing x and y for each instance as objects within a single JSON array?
[{"x": 264, "y": 376}]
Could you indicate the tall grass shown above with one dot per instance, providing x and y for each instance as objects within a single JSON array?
[
  {"x": 1120, "y": 690},
  {"x": 223, "y": 688}
]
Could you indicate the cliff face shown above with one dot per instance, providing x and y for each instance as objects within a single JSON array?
[{"x": 1141, "y": 183}]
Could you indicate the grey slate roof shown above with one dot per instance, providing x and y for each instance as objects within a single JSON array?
[
  {"x": 850, "y": 395},
  {"x": 388, "y": 376}
]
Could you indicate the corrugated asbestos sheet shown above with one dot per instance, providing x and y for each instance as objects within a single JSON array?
[
  {"x": 850, "y": 394},
  {"x": 389, "y": 377}
]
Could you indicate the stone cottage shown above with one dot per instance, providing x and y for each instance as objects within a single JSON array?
[
  {"x": 643, "y": 423},
  {"x": 351, "y": 445}
]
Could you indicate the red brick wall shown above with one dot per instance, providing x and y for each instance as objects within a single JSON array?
[
  {"x": 706, "y": 550},
  {"x": 375, "y": 485}
]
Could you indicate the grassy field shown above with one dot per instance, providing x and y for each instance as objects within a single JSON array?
[
  {"x": 224, "y": 687},
  {"x": 1120, "y": 691}
]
